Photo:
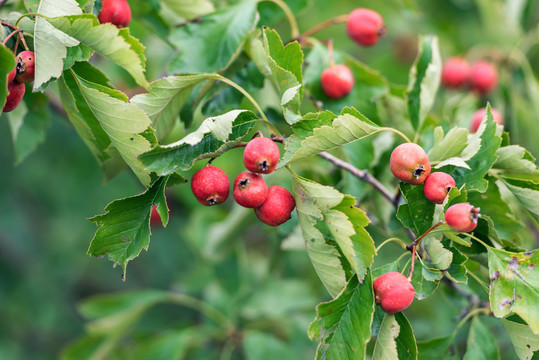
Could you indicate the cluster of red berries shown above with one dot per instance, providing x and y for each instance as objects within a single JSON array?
[
  {"x": 481, "y": 77},
  {"x": 410, "y": 163},
  {"x": 365, "y": 27},
  {"x": 116, "y": 12},
  {"x": 273, "y": 206},
  {"x": 22, "y": 73}
]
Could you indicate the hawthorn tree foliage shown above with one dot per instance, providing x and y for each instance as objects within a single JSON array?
[{"x": 232, "y": 75}]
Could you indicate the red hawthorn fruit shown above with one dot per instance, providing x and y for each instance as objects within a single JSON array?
[
  {"x": 479, "y": 114},
  {"x": 250, "y": 190},
  {"x": 437, "y": 186},
  {"x": 393, "y": 292},
  {"x": 462, "y": 217},
  {"x": 210, "y": 186},
  {"x": 14, "y": 97},
  {"x": 261, "y": 155},
  {"x": 116, "y": 12},
  {"x": 11, "y": 75},
  {"x": 337, "y": 81},
  {"x": 365, "y": 26},
  {"x": 25, "y": 66},
  {"x": 155, "y": 219},
  {"x": 277, "y": 208},
  {"x": 483, "y": 77},
  {"x": 410, "y": 163},
  {"x": 455, "y": 72}
]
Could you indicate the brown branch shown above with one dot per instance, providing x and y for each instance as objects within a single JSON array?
[
  {"x": 363, "y": 175},
  {"x": 322, "y": 26}
]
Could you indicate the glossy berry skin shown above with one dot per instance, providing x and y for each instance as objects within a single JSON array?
[
  {"x": 455, "y": 72},
  {"x": 250, "y": 190},
  {"x": 11, "y": 75},
  {"x": 365, "y": 26},
  {"x": 14, "y": 97},
  {"x": 410, "y": 163},
  {"x": 116, "y": 12},
  {"x": 210, "y": 186},
  {"x": 437, "y": 186},
  {"x": 483, "y": 77},
  {"x": 479, "y": 114},
  {"x": 393, "y": 292},
  {"x": 277, "y": 209},
  {"x": 337, "y": 81},
  {"x": 261, "y": 155},
  {"x": 462, "y": 217},
  {"x": 25, "y": 66}
]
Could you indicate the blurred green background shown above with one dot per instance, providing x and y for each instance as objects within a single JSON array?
[{"x": 245, "y": 270}]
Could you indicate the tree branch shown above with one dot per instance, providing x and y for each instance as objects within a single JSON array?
[{"x": 363, "y": 175}]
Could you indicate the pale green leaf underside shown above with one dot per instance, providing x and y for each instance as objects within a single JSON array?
[{"x": 523, "y": 339}]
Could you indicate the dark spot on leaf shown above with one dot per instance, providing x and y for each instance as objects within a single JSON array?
[
  {"x": 312, "y": 240},
  {"x": 495, "y": 275},
  {"x": 505, "y": 302},
  {"x": 125, "y": 239},
  {"x": 514, "y": 264},
  {"x": 132, "y": 139},
  {"x": 529, "y": 253},
  {"x": 531, "y": 267},
  {"x": 528, "y": 346}
]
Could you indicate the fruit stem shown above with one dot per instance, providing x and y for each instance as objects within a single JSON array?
[
  {"x": 10, "y": 35},
  {"x": 416, "y": 242},
  {"x": 325, "y": 24},
  {"x": 395, "y": 131},
  {"x": 397, "y": 240},
  {"x": 294, "y": 29},
  {"x": 363, "y": 175},
  {"x": 29, "y": 15},
  {"x": 21, "y": 36},
  {"x": 330, "y": 53},
  {"x": 3, "y": 23},
  {"x": 479, "y": 240},
  {"x": 273, "y": 129}
]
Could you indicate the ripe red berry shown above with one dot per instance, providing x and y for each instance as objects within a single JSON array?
[
  {"x": 261, "y": 155},
  {"x": 393, "y": 292},
  {"x": 479, "y": 114},
  {"x": 116, "y": 12},
  {"x": 462, "y": 217},
  {"x": 455, "y": 72},
  {"x": 14, "y": 97},
  {"x": 155, "y": 219},
  {"x": 365, "y": 26},
  {"x": 250, "y": 190},
  {"x": 410, "y": 163},
  {"x": 337, "y": 81},
  {"x": 11, "y": 75},
  {"x": 25, "y": 66},
  {"x": 483, "y": 77},
  {"x": 437, "y": 186},
  {"x": 210, "y": 186},
  {"x": 277, "y": 208}
]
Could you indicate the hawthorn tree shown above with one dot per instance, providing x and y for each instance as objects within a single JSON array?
[{"x": 357, "y": 154}]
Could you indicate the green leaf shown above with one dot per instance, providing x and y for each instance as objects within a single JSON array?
[
  {"x": 327, "y": 215},
  {"x": 215, "y": 136},
  {"x": 422, "y": 281},
  {"x": 395, "y": 339},
  {"x": 188, "y": 9},
  {"x": 167, "y": 345},
  {"x": 457, "y": 272},
  {"x": 440, "y": 257},
  {"x": 417, "y": 213},
  {"x": 212, "y": 43},
  {"x": 523, "y": 339},
  {"x": 481, "y": 343},
  {"x": 124, "y": 230},
  {"x": 424, "y": 80},
  {"x": 165, "y": 99},
  {"x": 369, "y": 85},
  {"x": 285, "y": 64},
  {"x": 440, "y": 348},
  {"x": 50, "y": 44},
  {"x": 526, "y": 191},
  {"x": 261, "y": 346},
  {"x": 343, "y": 325},
  {"x": 29, "y": 123},
  {"x": 123, "y": 122},
  {"x": 112, "y": 43},
  {"x": 320, "y": 132},
  {"x": 448, "y": 146},
  {"x": 8, "y": 64},
  {"x": 514, "y": 285},
  {"x": 87, "y": 125},
  {"x": 483, "y": 158},
  {"x": 516, "y": 163}
]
